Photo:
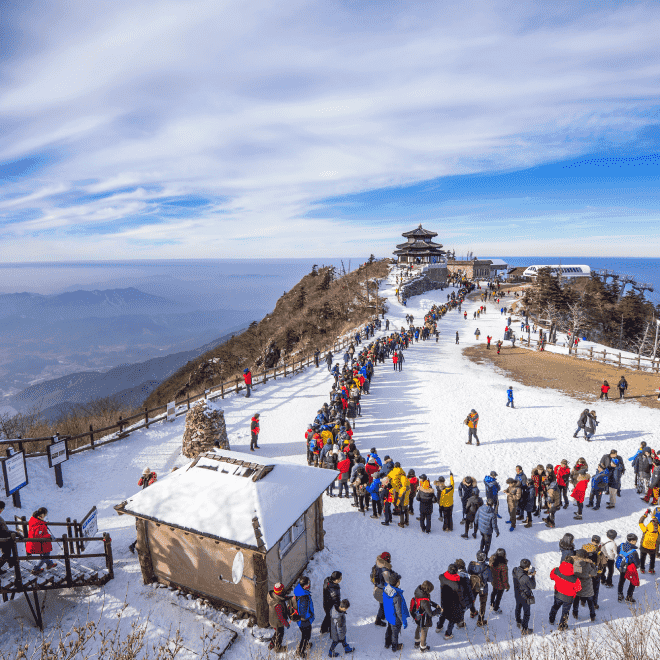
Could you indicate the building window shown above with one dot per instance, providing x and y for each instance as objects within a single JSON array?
[{"x": 292, "y": 535}]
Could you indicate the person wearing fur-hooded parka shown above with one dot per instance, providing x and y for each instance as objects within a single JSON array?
[
  {"x": 380, "y": 575},
  {"x": 566, "y": 546}
]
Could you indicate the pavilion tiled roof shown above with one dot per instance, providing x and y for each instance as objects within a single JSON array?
[
  {"x": 420, "y": 232},
  {"x": 418, "y": 245}
]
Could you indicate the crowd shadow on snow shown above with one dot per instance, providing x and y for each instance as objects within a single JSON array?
[
  {"x": 516, "y": 440},
  {"x": 621, "y": 435}
]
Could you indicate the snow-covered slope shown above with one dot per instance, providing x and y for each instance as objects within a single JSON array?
[{"x": 416, "y": 416}]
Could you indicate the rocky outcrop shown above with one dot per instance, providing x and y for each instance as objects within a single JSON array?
[
  {"x": 420, "y": 285},
  {"x": 205, "y": 429}
]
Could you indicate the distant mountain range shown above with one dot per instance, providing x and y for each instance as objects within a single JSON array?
[
  {"x": 130, "y": 383},
  {"x": 81, "y": 304}
]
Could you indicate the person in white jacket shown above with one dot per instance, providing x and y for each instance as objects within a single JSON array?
[{"x": 609, "y": 549}]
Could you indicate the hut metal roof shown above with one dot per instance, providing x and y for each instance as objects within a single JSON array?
[{"x": 218, "y": 494}]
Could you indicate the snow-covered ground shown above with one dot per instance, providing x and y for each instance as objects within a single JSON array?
[{"x": 416, "y": 416}]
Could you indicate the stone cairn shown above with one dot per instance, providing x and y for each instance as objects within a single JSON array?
[{"x": 205, "y": 425}]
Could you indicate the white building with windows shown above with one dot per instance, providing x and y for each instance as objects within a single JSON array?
[{"x": 568, "y": 270}]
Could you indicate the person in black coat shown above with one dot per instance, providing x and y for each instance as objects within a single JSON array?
[
  {"x": 423, "y": 613},
  {"x": 528, "y": 501},
  {"x": 450, "y": 601},
  {"x": 471, "y": 508},
  {"x": 426, "y": 498},
  {"x": 331, "y": 598}
]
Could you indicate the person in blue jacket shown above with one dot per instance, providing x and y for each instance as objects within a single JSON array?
[
  {"x": 509, "y": 394},
  {"x": 374, "y": 490},
  {"x": 492, "y": 488},
  {"x": 374, "y": 454},
  {"x": 598, "y": 486},
  {"x": 305, "y": 608},
  {"x": 396, "y": 612}
]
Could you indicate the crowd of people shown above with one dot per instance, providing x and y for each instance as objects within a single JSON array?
[{"x": 389, "y": 491}]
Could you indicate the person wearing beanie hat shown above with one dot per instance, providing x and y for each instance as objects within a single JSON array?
[
  {"x": 254, "y": 431},
  {"x": 396, "y": 612},
  {"x": 148, "y": 477},
  {"x": 380, "y": 578},
  {"x": 413, "y": 481},
  {"x": 426, "y": 498},
  {"x": 247, "y": 379},
  {"x": 610, "y": 551},
  {"x": 344, "y": 467},
  {"x": 278, "y": 616}
]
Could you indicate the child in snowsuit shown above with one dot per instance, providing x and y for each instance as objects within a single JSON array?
[{"x": 338, "y": 628}]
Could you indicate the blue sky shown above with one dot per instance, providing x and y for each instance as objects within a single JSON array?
[{"x": 199, "y": 129}]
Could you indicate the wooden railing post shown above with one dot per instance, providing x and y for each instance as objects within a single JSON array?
[
  {"x": 237, "y": 381},
  {"x": 78, "y": 545},
  {"x": 121, "y": 426},
  {"x": 639, "y": 366},
  {"x": 222, "y": 390},
  {"x": 146, "y": 417},
  {"x": 619, "y": 357},
  {"x": 67, "y": 560},
  {"x": 107, "y": 548},
  {"x": 188, "y": 401},
  {"x": 69, "y": 533},
  {"x": 91, "y": 436}
]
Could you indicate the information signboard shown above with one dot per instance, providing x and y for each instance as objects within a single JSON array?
[
  {"x": 90, "y": 526},
  {"x": 58, "y": 452},
  {"x": 14, "y": 472},
  {"x": 171, "y": 411}
]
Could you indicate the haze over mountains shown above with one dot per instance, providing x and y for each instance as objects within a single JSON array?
[{"x": 69, "y": 336}]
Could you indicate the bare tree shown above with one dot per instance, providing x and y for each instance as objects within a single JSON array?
[{"x": 573, "y": 321}]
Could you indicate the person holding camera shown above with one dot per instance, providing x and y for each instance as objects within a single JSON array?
[{"x": 524, "y": 583}]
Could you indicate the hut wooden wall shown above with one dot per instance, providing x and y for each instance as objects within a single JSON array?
[{"x": 201, "y": 564}]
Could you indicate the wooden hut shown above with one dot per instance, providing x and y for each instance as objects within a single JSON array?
[{"x": 228, "y": 528}]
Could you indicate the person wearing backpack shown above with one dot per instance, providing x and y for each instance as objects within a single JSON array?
[
  {"x": 500, "y": 571},
  {"x": 524, "y": 583},
  {"x": 471, "y": 508},
  {"x": 374, "y": 491},
  {"x": 446, "y": 501},
  {"x": 278, "y": 616},
  {"x": 627, "y": 561},
  {"x": 649, "y": 542},
  {"x": 567, "y": 586},
  {"x": 598, "y": 559},
  {"x": 480, "y": 575},
  {"x": 623, "y": 386},
  {"x": 584, "y": 569},
  {"x": 396, "y": 612},
  {"x": 426, "y": 498},
  {"x": 331, "y": 598},
  {"x": 338, "y": 629},
  {"x": 422, "y": 610},
  {"x": 380, "y": 575},
  {"x": 305, "y": 609},
  {"x": 598, "y": 487},
  {"x": 610, "y": 551}
]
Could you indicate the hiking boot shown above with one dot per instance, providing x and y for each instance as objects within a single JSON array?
[
  {"x": 519, "y": 624},
  {"x": 630, "y": 599},
  {"x": 461, "y": 624},
  {"x": 512, "y": 528},
  {"x": 482, "y": 622},
  {"x": 379, "y": 622},
  {"x": 620, "y": 598},
  {"x": 592, "y": 618},
  {"x": 528, "y": 524},
  {"x": 577, "y": 516},
  {"x": 477, "y": 443},
  {"x": 462, "y": 522},
  {"x": 468, "y": 443},
  {"x": 448, "y": 636},
  {"x": 416, "y": 645},
  {"x": 385, "y": 523},
  {"x": 465, "y": 536},
  {"x": 566, "y": 505},
  {"x": 424, "y": 649},
  {"x": 642, "y": 570},
  {"x": 374, "y": 516},
  {"x": 526, "y": 631},
  {"x": 575, "y": 615},
  {"x": 652, "y": 571},
  {"x": 562, "y": 626},
  {"x": 473, "y": 614},
  {"x": 281, "y": 649},
  {"x": 396, "y": 648},
  {"x": 400, "y": 525}
]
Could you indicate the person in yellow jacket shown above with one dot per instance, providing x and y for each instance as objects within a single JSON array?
[
  {"x": 403, "y": 501},
  {"x": 327, "y": 437},
  {"x": 445, "y": 501},
  {"x": 649, "y": 541},
  {"x": 471, "y": 422},
  {"x": 395, "y": 476}
]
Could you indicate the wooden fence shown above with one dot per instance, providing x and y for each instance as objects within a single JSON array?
[
  {"x": 626, "y": 361},
  {"x": 119, "y": 430}
]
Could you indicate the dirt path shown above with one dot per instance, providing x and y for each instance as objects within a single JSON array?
[{"x": 578, "y": 377}]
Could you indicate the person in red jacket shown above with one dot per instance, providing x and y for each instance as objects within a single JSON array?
[
  {"x": 38, "y": 529},
  {"x": 395, "y": 359},
  {"x": 567, "y": 586},
  {"x": 579, "y": 493},
  {"x": 147, "y": 479},
  {"x": 254, "y": 432},
  {"x": 344, "y": 466},
  {"x": 247, "y": 378},
  {"x": 561, "y": 475},
  {"x": 604, "y": 389}
]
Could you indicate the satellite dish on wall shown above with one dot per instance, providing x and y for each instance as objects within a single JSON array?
[{"x": 237, "y": 567}]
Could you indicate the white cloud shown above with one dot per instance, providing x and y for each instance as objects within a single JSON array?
[{"x": 271, "y": 107}]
